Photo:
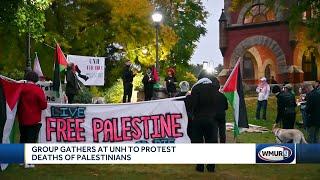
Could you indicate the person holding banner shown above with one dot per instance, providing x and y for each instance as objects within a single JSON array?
[
  {"x": 72, "y": 86},
  {"x": 32, "y": 102},
  {"x": 204, "y": 104}
]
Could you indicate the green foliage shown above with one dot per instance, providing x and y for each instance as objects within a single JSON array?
[
  {"x": 188, "y": 76},
  {"x": 114, "y": 93},
  {"x": 137, "y": 81},
  {"x": 131, "y": 22},
  {"x": 84, "y": 96},
  {"x": 187, "y": 19},
  {"x": 95, "y": 91},
  {"x": 13, "y": 74},
  {"x": 218, "y": 69},
  {"x": 30, "y": 17}
]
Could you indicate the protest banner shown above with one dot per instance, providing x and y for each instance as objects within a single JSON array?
[
  {"x": 92, "y": 67},
  {"x": 162, "y": 121},
  {"x": 51, "y": 96}
]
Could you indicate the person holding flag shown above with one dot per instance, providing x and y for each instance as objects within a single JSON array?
[{"x": 72, "y": 86}]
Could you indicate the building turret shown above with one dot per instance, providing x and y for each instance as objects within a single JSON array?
[{"x": 223, "y": 32}]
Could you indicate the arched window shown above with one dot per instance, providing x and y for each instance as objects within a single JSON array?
[
  {"x": 247, "y": 66},
  {"x": 267, "y": 72},
  {"x": 258, "y": 13},
  {"x": 309, "y": 65}
]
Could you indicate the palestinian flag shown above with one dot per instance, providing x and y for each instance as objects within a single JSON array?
[
  {"x": 9, "y": 97},
  {"x": 60, "y": 64},
  {"x": 233, "y": 90}
]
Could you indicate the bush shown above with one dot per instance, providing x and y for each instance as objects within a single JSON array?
[
  {"x": 84, "y": 96},
  {"x": 114, "y": 93},
  {"x": 14, "y": 74},
  {"x": 137, "y": 82},
  {"x": 95, "y": 91},
  {"x": 189, "y": 77}
]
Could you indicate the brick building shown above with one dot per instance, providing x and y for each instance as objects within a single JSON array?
[{"x": 267, "y": 47}]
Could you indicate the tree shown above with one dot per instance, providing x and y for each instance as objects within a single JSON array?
[
  {"x": 187, "y": 18},
  {"x": 218, "y": 69},
  {"x": 134, "y": 30},
  {"x": 30, "y": 17}
]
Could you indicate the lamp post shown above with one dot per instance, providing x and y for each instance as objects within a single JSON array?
[
  {"x": 28, "y": 39},
  {"x": 157, "y": 17}
]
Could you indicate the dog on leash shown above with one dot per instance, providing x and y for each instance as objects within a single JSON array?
[{"x": 288, "y": 135}]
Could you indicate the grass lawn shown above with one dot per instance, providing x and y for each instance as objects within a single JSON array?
[{"x": 299, "y": 171}]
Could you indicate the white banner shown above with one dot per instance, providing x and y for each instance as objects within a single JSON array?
[
  {"x": 162, "y": 121},
  {"x": 140, "y": 153},
  {"x": 92, "y": 67},
  {"x": 51, "y": 96}
]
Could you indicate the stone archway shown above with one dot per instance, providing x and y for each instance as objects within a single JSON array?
[
  {"x": 265, "y": 41},
  {"x": 247, "y": 7}
]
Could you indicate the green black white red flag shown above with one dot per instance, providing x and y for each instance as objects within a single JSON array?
[
  {"x": 60, "y": 64},
  {"x": 9, "y": 97},
  {"x": 233, "y": 90}
]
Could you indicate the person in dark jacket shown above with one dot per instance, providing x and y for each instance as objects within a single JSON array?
[
  {"x": 313, "y": 122},
  {"x": 171, "y": 83},
  {"x": 127, "y": 79},
  {"x": 204, "y": 125},
  {"x": 148, "y": 82},
  {"x": 220, "y": 109},
  {"x": 72, "y": 86},
  {"x": 286, "y": 113}
]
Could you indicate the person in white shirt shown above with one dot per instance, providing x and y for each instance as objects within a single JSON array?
[{"x": 263, "y": 91}]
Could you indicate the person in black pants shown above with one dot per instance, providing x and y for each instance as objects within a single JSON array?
[
  {"x": 286, "y": 107},
  {"x": 72, "y": 86},
  {"x": 204, "y": 125},
  {"x": 127, "y": 79},
  {"x": 148, "y": 82},
  {"x": 220, "y": 110}
]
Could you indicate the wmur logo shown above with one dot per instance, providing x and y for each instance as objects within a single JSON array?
[{"x": 275, "y": 153}]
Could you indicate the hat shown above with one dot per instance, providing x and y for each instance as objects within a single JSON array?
[
  {"x": 288, "y": 86},
  {"x": 263, "y": 79},
  {"x": 184, "y": 86}
]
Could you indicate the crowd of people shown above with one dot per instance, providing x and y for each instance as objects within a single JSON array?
[
  {"x": 308, "y": 101},
  {"x": 206, "y": 106}
]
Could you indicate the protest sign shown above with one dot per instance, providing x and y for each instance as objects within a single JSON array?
[
  {"x": 91, "y": 67},
  {"x": 51, "y": 96},
  {"x": 163, "y": 121}
]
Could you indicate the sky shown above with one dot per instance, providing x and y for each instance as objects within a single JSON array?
[{"x": 208, "y": 45}]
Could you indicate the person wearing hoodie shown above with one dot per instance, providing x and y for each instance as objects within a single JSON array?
[{"x": 204, "y": 125}]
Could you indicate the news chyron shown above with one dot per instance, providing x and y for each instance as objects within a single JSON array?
[{"x": 275, "y": 153}]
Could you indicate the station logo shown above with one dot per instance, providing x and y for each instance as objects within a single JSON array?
[{"x": 275, "y": 153}]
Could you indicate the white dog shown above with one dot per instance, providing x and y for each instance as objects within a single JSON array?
[{"x": 288, "y": 135}]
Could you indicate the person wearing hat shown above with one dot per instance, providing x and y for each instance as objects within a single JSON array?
[
  {"x": 171, "y": 83},
  {"x": 286, "y": 114},
  {"x": 263, "y": 91}
]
